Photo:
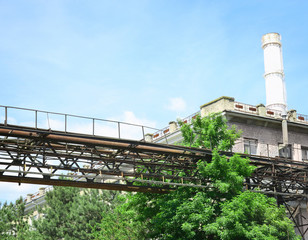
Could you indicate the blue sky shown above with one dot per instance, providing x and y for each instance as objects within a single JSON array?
[{"x": 156, "y": 60}]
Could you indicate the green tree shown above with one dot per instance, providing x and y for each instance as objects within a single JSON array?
[
  {"x": 88, "y": 210},
  {"x": 12, "y": 221},
  {"x": 191, "y": 213},
  {"x": 210, "y": 132},
  {"x": 5, "y": 213},
  {"x": 252, "y": 216},
  {"x": 71, "y": 213},
  {"x": 55, "y": 224},
  {"x": 118, "y": 223}
]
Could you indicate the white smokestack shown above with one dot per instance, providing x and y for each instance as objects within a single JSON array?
[{"x": 274, "y": 76}]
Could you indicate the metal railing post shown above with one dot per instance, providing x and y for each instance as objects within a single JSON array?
[
  {"x": 93, "y": 127},
  {"x": 65, "y": 123},
  {"x": 119, "y": 130},
  {"x": 5, "y": 118},
  {"x": 36, "y": 119},
  {"x": 165, "y": 137},
  {"x": 143, "y": 132}
]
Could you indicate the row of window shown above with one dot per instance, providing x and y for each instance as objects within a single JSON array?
[{"x": 250, "y": 147}]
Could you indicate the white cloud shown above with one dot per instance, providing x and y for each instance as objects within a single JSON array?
[
  {"x": 176, "y": 104},
  {"x": 130, "y": 117},
  {"x": 135, "y": 132}
]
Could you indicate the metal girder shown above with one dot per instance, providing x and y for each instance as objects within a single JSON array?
[
  {"x": 37, "y": 156},
  {"x": 27, "y": 152},
  {"x": 40, "y": 156}
]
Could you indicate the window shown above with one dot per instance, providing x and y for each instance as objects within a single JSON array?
[
  {"x": 285, "y": 152},
  {"x": 250, "y": 146},
  {"x": 305, "y": 153}
]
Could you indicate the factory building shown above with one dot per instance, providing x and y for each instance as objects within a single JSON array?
[{"x": 269, "y": 130}]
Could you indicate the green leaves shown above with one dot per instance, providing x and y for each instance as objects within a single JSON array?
[
  {"x": 252, "y": 216},
  {"x": 56, "y": 215},
  {"x": 209, "y": 132},
  {"x": 226, "y": 174},
  {"x": 71, "y": 213},
  {"x": 221, "y": 210},
  {"x": 12, "y": 223},
  {"x": 119, "y": 224}
]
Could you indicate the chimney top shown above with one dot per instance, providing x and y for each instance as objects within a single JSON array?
[{"x": 271, "y": 38}]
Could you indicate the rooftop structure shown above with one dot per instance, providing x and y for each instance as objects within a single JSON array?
[{"x": 229, "y": 105}]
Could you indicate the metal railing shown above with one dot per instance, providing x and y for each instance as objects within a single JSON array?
[
  {"x": 162, "y": 133},
  {"x": 70, "y": 123}
]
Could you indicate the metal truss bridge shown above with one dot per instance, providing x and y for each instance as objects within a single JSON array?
[{"x": 39, "y": 155}]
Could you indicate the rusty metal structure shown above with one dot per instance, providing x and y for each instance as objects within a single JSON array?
[
  {"x": 43, "y": 157},
  {"x": 51, "y": 157}
]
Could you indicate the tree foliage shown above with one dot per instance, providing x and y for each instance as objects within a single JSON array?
[
  {"x": 210, "y": 132},
  {"x": 119, "y": 224},
  {"x": 72, "y": 213},
  {"x": 12, "y": 223},
  {"x": 191, "y": 213},
  {"x": 55, "y": 224},
  {"x": 252, "y": 216}
]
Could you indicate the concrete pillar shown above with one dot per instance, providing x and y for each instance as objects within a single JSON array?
[
  {"x": 292, "y": 114},
  {"x": 261, "y": 110},
  {"x": 173, "y": 126},
  {"x": 148, "y": 137},
  {"x": 218, "y": 105},
  {"x": 285, "y": 137},
  {"x": 41, "y": 192},
  {"x": 29, "y": 197}
]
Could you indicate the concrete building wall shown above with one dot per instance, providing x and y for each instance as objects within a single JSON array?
[{"x": 268, "y": 139}]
